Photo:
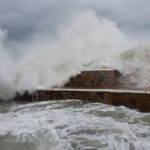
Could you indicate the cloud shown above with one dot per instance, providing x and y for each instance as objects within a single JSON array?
[
  {"x": 131, "y": 16},
  {"x": 25, "y": 18}
]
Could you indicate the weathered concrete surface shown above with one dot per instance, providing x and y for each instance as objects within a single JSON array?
[{"x": 94, "y": 79}]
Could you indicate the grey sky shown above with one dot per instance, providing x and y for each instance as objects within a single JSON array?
[{"x": 23, "y": 18}]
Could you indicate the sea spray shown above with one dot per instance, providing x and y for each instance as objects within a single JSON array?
[
  {"x": 135, "y": 65},
  {"x": 46, "y": 64}
]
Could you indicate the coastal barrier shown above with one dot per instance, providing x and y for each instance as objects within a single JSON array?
[{"x": 95, "y": 86}]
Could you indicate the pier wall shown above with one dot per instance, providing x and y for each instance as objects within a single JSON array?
[
  {"x": 94, "y": 79},
  {"x": 137, "y": 101},
  {"x": 94, "y": 86}
]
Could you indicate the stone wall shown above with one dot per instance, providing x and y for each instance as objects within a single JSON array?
[
  {"x": 137, "y": 101},
  {"x": 93, "y": 79},
  {"x": 99, "y": 79}
]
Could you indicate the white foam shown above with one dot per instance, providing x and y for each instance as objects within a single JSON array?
[
  {"x": 57, "y": 125},
  {"x": 81, "y": 43}
]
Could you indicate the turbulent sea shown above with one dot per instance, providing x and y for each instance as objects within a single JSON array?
[
  {"x": 44, "y": 44},
  {"x": 72, "y": 125}
]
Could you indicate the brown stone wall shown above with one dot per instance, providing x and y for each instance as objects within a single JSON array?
[
  {"x": 140, "y": 102},
  {"x": 137, "y": 101},
  {"x": 25, "y": 97},
  {"x": 93, "y": 79}
]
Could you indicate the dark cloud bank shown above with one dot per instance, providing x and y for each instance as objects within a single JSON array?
[{"x": 23, "y": 18}]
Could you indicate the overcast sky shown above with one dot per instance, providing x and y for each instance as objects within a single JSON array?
[{"x": 24, "y": 18}]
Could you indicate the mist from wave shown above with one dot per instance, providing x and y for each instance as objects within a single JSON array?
[{"x": 44, "y": 64}]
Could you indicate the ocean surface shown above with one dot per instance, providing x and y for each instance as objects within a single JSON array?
[{"x": 72, "y": 125}]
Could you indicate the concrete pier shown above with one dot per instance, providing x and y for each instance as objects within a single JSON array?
[
  {"x": 95, "y": 86},
  {"x": 134, "y": 99}
]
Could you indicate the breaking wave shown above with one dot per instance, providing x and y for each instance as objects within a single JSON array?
[
  {"x": 86, "y": 42},
  {"x": 135, "y": 65}
]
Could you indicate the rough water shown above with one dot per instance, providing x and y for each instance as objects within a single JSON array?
[
  {"x": 72, "y": 125},
  {"x": 45, "y": 43}
]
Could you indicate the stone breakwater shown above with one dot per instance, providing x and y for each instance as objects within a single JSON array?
[{"x": 95, "y": 86}]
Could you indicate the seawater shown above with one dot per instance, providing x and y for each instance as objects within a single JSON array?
[{"x": 72, "y": 125}]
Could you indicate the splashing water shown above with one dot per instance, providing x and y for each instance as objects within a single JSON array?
[
  {"x": 72, "y": 125},
  {"x": 135, "y": 65},
  {"x": 86, "y": 39},
  {"x": 86, "y": 42}
]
